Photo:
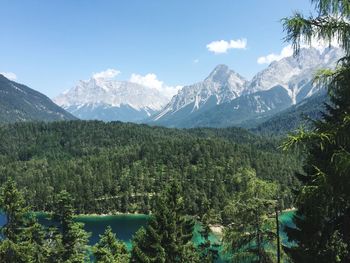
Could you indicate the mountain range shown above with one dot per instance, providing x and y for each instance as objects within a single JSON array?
[
  {"x": 21, "y": 103},
  {"x": 226, "y": 99},
  {"x": 110, "y": 100},
  {"x": 283, "y": 91}
]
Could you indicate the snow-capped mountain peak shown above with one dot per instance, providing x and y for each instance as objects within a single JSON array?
[
  {"x": 108, "y": 99},
  {"x": 282, "y": 83},
  {"x": 294, "y": 73},
  {"x": 225, "y": 97},
  {"x": 220, "y": 86},
  {"x": 113, "y": 93}
]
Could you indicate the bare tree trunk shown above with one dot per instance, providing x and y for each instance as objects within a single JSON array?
[{"x": 278, "y": 237}]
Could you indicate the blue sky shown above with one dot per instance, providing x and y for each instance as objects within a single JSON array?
[{"x": 50, "y": 45}]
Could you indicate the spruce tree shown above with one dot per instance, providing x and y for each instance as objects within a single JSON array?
[
  {"x": 73, "y": 236},
  {"x": 167, "y": 237},
  {"x": 174, "y": 226},
  {"x": 109, "y": 249},
  {"x": 22, "y": 240},
  {"x": 146, "y": 245},
  {"x": 249, "y": 222},
  {"x": 322, "y": 232},
  {"x": 16, "y": 211}
]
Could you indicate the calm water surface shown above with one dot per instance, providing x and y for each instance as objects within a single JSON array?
[{"x": 125, "y": 226}]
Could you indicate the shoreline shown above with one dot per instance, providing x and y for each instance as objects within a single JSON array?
[
  {"x": 218, "y": 229},
  {"x": 96, "y": 214},
  {"x": 292, "y": 209},
  {"x": 111, "y": 214}
]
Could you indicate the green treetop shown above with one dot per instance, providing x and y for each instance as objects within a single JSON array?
[
  {"x": 109, "y": 249},
  {"x": 249, "y": 232},
  {"x": 23, "y": 238},
  {"x": 74, "y": 238},
  {"x": 167, "y": 237}
]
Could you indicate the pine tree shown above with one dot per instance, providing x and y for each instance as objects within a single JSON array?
[
  {"x": 15, "y": 246},
  {"x": 146, "y": 245},
  {"x": 167, "y": 237},
  {"x": 249, "y": 229},
  {"x": 74, "y": 238},
  {"x": 176, "y": 229},
  {"x": 16, "y": 211},
  {"x": 322, "y": 232},
  {"x": 53, "y": 248},
  {"x": 109, "y": 249},
  {"x": 39, "y": 242},
  {"x": 20, "y": 243}
]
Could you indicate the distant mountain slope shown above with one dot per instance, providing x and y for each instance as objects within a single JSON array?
[
  {"x": 106, "y": 112},
  {"x": 294, "y": 117},
  {"x": 225, "y": 98},
  {"x": 243, "y": 108},
  {"x": 221, "y": 86},
  {"x": 111, "y": 100},
  {"x": 21, "y": 103},
  {"x": 295, "y": 73}
]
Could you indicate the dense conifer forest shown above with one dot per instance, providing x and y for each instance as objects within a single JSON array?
[{"x": 118, "y": 167}]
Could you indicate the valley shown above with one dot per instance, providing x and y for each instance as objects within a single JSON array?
[{"x": 188, "y": 131}]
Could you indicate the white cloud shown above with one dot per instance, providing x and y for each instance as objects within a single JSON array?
[
  {"x": 9, "y": 75},
  {"x": 151, "y": 81},
  {"x": 287, "y": 51},
  {"x": 321, "y": 45},
  {"x": 222, "y": 46},
  {"x": 107, "y": 74},
  {"x": 196, "y": 61}
]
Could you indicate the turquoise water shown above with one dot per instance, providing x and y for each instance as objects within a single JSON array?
[
  {"x": 286, "y": 219},
  {"x": 125, "y": 226}
]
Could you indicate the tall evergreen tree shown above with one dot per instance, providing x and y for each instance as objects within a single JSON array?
[
  {"x": 109, "y": 249},
  {"x": 322, "y": 232},
  {"x": 16, "y": 211},
  {"x": 176, "y": 229},
  {"x": 15, "y": 246},
  {"x": 74, "y": 238},
  {"x": 169, "y": 229},
  {"x": 23, "y": 237},
  {"x": 249, "y": 222},
  {"x": 147, "y": 245}
]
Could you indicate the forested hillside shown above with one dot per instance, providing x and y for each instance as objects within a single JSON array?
[
  {"x": 21, "y": 103},
  {"x": 295, "y": 117},
  {"x": 110, "y": 167}
]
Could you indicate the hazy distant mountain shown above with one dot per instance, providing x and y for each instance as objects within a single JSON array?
[
  {"x": 21, "y": 103},
  {"x": 225, "y": 98},
  {"x": 109, "y": 100}
]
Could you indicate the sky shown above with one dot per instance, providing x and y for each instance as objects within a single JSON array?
[{"x": 50, "y": 45}]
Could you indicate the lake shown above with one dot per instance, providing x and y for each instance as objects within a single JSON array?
[{"x": 125, "y": 225}]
